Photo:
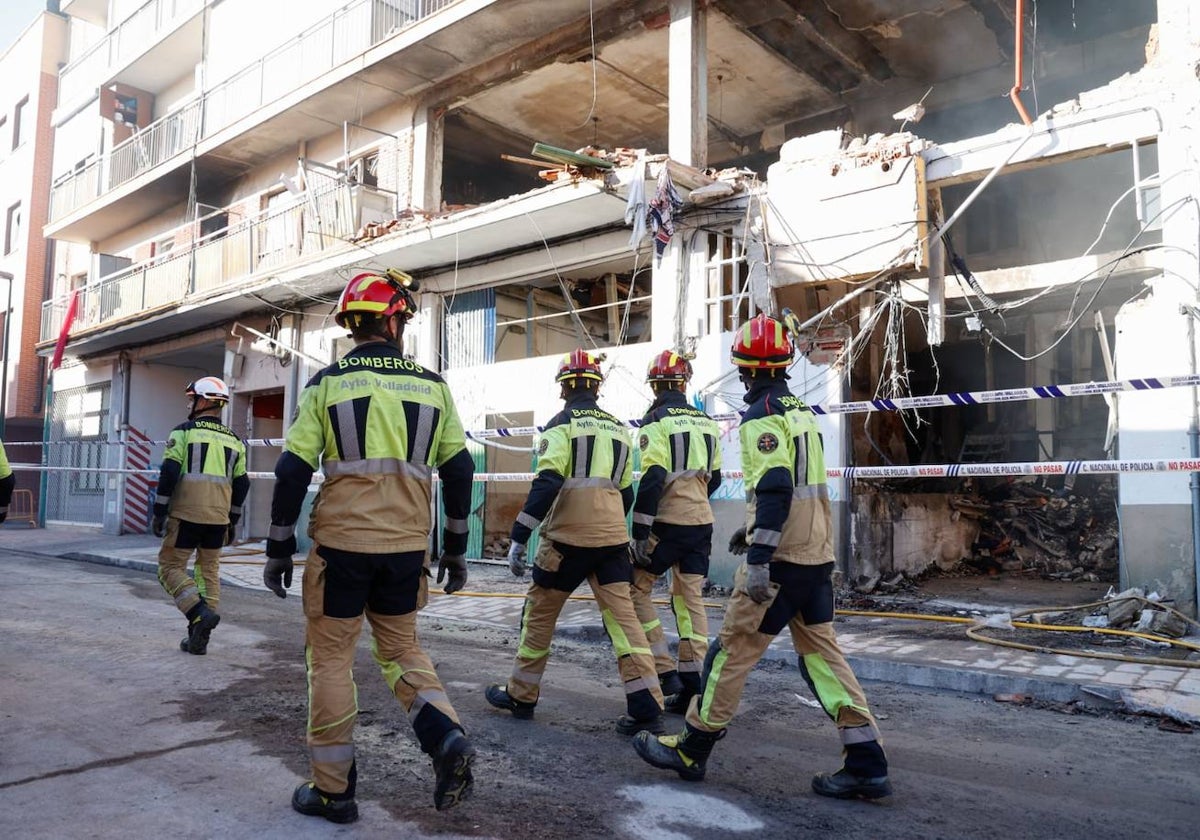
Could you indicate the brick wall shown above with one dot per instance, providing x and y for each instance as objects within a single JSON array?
[{"x": 26, "y": 387}]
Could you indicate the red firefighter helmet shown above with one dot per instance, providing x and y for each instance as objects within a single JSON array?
[
  {"x": 669, "y": 366},
  {"x": 580, "y": 364},
  {"x": 377, "y": 296},
  {"x": 762, "y": 343}
]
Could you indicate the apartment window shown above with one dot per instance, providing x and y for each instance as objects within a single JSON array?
[
  {"x": 365, "y": 170},
  {"x": 12, "y": 229},
  {"x": 18, "y": 114},
  {"x": 162, "y": 248},
  {"x": 728, "y": 301}
]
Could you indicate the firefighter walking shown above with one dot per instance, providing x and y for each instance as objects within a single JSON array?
[
  {"x": 7, "y": 482},
  {"x": 377, "y": 424},
  {"x": 785, "y": 582},
  {"x": 201, "y": 488},
  {"x": 673, "y": 523},
  {"x": 579, "y": 500}
]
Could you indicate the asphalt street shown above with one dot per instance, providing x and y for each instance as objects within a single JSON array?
[{"x": 111, "y": 732}]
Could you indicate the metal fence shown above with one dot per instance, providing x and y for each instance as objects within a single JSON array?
[
  {"x": 131, "y": 38},
  {"x": 347, "y": 33},
  {"x": 320, "y": 219},
  {"x": 79, "y": 420}
]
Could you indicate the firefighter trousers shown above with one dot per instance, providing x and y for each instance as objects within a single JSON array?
[
  {"x": 684, "y": 551},
  {"x": 339, "y": 589},
  {"x": 182, "y": 539},
  {"x": 558, "y": 571},
  {"x": 802, "y": 601}
]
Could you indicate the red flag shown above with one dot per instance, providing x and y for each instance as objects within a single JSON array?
[{"x": 65, "y": 332}]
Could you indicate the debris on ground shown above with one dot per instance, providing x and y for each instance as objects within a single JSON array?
[{"x": 1068, "y": 533}]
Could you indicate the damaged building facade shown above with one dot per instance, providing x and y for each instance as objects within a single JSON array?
[{"x": 631, "y": 175}]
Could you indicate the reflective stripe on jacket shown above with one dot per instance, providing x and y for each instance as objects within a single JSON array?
[
  {"x": 788, "y": 515},
  {"x": 377, "y": 424},
  {"x": 680, "y": 453},
  {"x": 209, "y": 459},
  {"x": 584, "y": 464}
]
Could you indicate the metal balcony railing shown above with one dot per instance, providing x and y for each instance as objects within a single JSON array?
[
  {"x": 132, "y": 37},
  {"x": 347, "y": 33},
  {"x": 317, "y": 221}
]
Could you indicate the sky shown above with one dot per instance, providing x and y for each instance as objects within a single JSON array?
[{"x": 15, "y": 15}]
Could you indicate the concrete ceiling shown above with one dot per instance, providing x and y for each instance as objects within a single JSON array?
[{"x": 778, "y": 65}]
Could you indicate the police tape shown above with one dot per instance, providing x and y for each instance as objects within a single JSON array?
[
  {"x": 1037, "y": 468},
  {"x": 955, "y": 398}
]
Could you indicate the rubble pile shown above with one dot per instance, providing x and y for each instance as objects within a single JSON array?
[
  {"x": 1133, "y": 609},
  {"x": 1061, "y": 534},
  {"x": 497, "y": 549}
]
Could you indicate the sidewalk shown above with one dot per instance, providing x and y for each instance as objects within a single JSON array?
[{"x": 891, "y": 650}]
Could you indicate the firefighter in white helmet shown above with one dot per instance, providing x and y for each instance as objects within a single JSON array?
[{"x": 201, "y": 488}]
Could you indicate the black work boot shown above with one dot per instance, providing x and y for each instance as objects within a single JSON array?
[
  {"x": 452, "y": 768},
  {"x": 498, "y": 696},
  {"x": 670, "y": 683},
  {"x": 863, "y": 775},
  {"x": 845, "y": 785},
  {"x": 201, "y": 621},
  {"x": 685, "y": 753},
  {"x": 677, "y": 704},
  {"x": 629, "y": 725},
  {"x": 311, "y": 802}
]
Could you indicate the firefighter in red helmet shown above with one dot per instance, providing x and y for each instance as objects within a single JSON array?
[
  {"x": 579, "y": 500},
  {"x": 673, "y": 523},
  {"x": 785, "y": 581},
  {"x": 377, "y": 424}
]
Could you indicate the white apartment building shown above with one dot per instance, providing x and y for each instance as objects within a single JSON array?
[{"x": 221, "y": 168}]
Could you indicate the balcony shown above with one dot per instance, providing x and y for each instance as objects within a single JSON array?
[
  {"x": 165, "y": 33},
  {"x": 220, "y": 261},
  {"x": 347, "y": 33}
]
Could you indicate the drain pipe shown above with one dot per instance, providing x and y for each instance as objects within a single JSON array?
[
  {"x": 1019, "y": 36},
  {"x": 1192, "y": 313}
]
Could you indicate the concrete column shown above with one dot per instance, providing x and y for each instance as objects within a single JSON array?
[
  {"x": 114, "y": 456},
  {"x": 687, "y": 135},
  {"x": 428, "y": 336},
  {"x": 1157, "y": 510},
  {"x": 1042, "y": 334},
  {"x": 666, "y": 282},
  {"x": 428, "y": 153}
]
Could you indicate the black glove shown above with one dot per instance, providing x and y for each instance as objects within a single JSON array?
[
  {"x": 3, "y": 515},
  {"x": 282, "y": 548},
  {"x": 516, "y": 559},
  {"x": 639, "y": 553},
  {"x": 456, "y": 565},
  {"x": 230, "y": 533},
  {"x": 277, "y": 574},
  {"x": 159, "y": 526},
  {"x": 758, "y": 582},
  {"x": 737, "y": 543}
]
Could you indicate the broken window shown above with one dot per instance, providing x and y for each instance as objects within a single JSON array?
[
  {"x": 473, "y": 170},
  {"x": 553, "y": 316}
]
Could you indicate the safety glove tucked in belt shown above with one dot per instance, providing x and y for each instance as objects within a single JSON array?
[
  {"x": 456, "y": 565},
  {"x": 758, "y": 582},
  {"x": 737, "y": 543},
  {"x": 516, "y": 559},
  {"x": 639, "y": 553},
  {"x": 159, "y": 526},
  {"x": 277, "y": 574}
]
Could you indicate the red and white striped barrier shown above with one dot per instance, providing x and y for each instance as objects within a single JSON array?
[{"x": 136, "y": 516}]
